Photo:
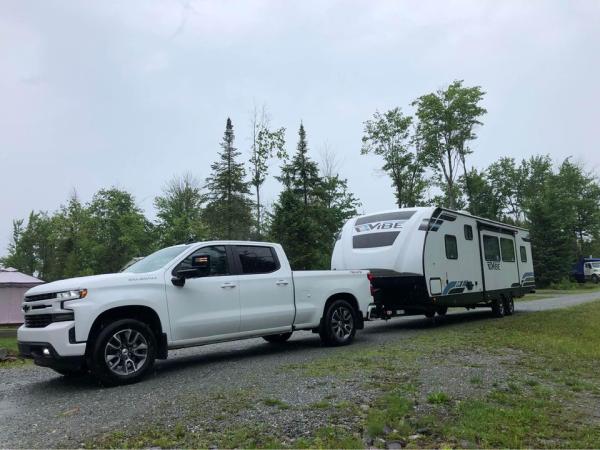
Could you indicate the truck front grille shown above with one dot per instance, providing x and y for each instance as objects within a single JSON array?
[
  {"x": 43, "y": 320},
  {"x": 35, "y": 298}
]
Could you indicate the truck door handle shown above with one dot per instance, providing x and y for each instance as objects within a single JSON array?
[
  {"x": 282, "y": 283},
  {"x": 228, "y": 285}
]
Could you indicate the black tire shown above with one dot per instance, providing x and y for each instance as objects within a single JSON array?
[
  {"x": 338, "y": 325},
  {"x": 509, "y": 306},
  {"x": 595, "y": 279},
  {"x": 430, "y": 314},
  {"x": 71, "y": 373},
  {"x": 498, "y": 307},
  {"x": 105, "y": 348},
  {"x": 442, "y": 310},
  {"x": 278, "y": 338}
]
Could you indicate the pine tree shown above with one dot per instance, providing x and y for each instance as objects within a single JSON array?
[
  {"x": 310, "y": 210},
  {"x": 228, "y": 213}
]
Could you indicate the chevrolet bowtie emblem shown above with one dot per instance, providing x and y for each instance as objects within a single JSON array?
[{"x": 26, "y": 308}]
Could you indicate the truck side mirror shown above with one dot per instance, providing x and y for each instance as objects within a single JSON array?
[{"x": 201, "y": 263}]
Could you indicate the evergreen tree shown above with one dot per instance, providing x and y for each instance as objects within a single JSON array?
[
  {"x": 228, "y": 213},
  {"x": 310, "y": 210}
]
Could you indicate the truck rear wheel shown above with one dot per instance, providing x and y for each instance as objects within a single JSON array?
[
  {"x": 123, "y": 352},
  {"x": 338, "y": 326},
  {"x": 278, "y": 338}
]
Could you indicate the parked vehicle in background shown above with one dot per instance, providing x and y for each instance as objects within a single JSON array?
[
  {"x": 425, "y": 260},
  {"x": 586, "y": 269},
  {"x": 116, "y": 325}
]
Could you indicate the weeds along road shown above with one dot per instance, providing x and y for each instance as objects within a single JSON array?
[{"x": 39, "y": 408}]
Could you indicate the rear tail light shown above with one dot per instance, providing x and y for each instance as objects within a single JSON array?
[{"x": 373, "y": 289}]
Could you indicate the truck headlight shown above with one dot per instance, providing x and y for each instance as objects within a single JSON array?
[{"x": 71, "y": 295}]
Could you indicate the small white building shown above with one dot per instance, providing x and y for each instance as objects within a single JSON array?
[{"x": 13, "y": 285}]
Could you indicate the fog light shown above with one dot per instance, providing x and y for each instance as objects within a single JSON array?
[{"x": 46, "y": 352}]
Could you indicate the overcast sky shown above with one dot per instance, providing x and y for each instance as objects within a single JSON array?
[{"x": 131, "y": 93}]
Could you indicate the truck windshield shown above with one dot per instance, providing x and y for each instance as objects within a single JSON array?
[
  {"x": 596, "y": 265},
  {"x": 157, "y": 259}
]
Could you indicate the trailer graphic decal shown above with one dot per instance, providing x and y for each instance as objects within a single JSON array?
[
  {"x": 457, "y": 287},
  {"x": 380, "y": 226}
]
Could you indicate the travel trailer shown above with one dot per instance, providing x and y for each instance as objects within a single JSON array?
[{"x": 427, "y": 259}]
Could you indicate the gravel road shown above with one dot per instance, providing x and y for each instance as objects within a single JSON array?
[{"x": 38, "y": 408}]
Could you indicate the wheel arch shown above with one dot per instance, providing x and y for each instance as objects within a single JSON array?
[
  {"x": 138, "y": 312},
  {"x": 360, "y": 324}
]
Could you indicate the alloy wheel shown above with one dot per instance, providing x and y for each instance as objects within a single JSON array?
[
  {"x": 126, "y": 352},
  {"x": 342, "y": 322}
]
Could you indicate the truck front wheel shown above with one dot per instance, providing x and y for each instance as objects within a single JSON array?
[
  {"x": 595, "y": 279},
  {"x": 338, "y": 326},
  {"x": 123, "y": 352}
]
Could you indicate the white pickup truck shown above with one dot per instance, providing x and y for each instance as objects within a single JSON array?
[{"x": 116, "y": 325}]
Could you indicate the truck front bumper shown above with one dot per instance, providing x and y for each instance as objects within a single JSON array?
[{"x": 52, "y": 346}]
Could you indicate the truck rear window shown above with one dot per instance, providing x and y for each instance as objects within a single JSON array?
[
  {"x": 256, "y": 259},
  {"x": 373, "y": 240}
]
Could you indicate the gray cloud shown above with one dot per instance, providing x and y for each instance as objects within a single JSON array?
[{"x": 131, "y": 93}]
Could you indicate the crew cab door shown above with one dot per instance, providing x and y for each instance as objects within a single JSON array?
[
  {"x": 266, "y": 289},
  {"x": 205, "y": 306}
]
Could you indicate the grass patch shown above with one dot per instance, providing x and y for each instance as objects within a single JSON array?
[
  {"x": 438, "y": 398},
  {"x": 388, "y": 417},
  {"x": 9, "y": 343},
  {"x": 276, "y": 402}
]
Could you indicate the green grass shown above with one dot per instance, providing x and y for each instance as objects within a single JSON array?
[
  {"x": 9, "y": 343},
  {"x": 276, "y": 402},
  {"x": 438, "y": 398},
  {"x": 389, "y": 413}
]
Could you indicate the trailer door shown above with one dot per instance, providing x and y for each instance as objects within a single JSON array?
[{"x": 500, "y": 267}]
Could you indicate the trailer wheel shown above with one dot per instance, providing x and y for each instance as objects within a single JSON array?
[
  {"x": 498, "y": 307},
  {"x": 509, "y": 305},
  {"x": 338, "y": 325},
  {"x": 278, "y": 338}
]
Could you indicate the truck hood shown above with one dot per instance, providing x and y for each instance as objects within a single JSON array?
[{"x": 109, "y": 279}]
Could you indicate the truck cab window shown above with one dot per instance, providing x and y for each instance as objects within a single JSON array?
[
  {"x": 451, "y": 246},
  {"x": 256, "y": 259},
  {"x": 468, "y": 232},
  {"x": 523, "y": 253},
  {"x": 218, "y": 260},
  {"x": 491, "y": 248},
  {"x": 508, "y": 250}
]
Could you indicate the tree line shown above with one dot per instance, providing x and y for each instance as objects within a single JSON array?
[{"x": 425, "y": 155}]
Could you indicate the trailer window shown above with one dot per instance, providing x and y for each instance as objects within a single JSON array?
[
  {"x": 451, "y": 246},
  {"x": 372, "y": 240},
  {"x": 523, "y": 253},
  {"x": 508, "y": 250},
  {"x": 491, "y": 248},
  {"x": 255, "y": 259},
  {"x": 468, "y": 232}
]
